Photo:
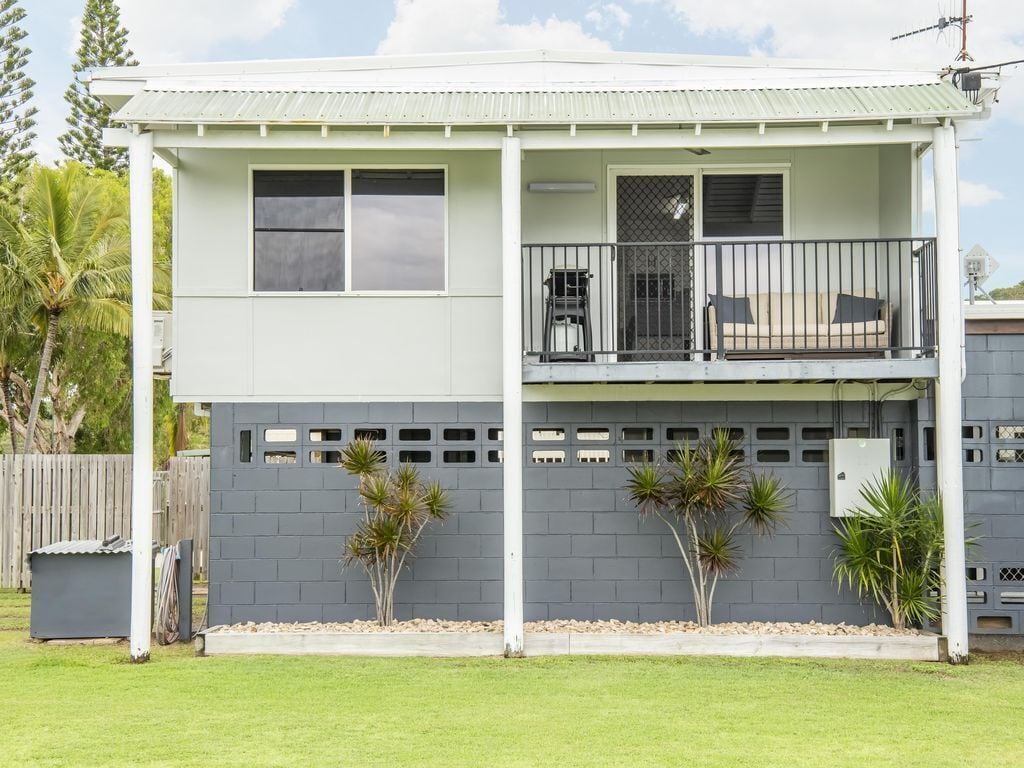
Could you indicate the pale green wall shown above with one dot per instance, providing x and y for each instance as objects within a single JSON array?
[
  {"x": 833, "y": 191},
  {"x": 895, "y": 190},
  {"x": 230, "y": 345}
]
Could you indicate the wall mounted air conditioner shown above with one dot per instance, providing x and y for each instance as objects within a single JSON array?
[
  {"x": 163, "y": 343},
  {"x": 852, "y": 463}
]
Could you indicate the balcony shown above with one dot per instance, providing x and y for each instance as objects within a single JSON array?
[{"x": 771, "y": 310}]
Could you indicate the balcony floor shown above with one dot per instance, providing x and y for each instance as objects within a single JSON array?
[{"x": 535, "y": 372}]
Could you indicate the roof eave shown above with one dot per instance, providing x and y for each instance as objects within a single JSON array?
[{"x": 392, "y": 61}]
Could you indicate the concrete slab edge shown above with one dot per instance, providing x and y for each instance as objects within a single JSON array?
[{"x": 442, "y": 644}]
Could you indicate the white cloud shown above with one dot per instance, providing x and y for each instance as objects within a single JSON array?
[
  {"x": 973, "y": 194},
  {"x": 194, "y": 28},
  {"x": 422, "y": 26},
  {"x": 609, "y": 17},
  {"x": 857, "y": 30},
  {"x": 860, "y": 31}
]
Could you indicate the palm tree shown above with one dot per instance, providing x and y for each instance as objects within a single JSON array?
[{"x": 65, "y": 259}]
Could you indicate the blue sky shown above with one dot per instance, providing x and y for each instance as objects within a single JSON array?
[{"x": 992, "y": 165}]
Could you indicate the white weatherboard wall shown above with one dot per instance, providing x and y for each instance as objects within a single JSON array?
[{"x": 233, "y": 345}]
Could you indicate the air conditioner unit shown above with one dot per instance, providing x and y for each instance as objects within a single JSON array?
[
  {"x": 162, "y": 344},
  {"x": 853, "y": 463}
]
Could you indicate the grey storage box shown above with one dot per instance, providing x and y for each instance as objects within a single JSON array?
[{"x": 81, "y": 589}]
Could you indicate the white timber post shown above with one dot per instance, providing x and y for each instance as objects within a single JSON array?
[
  {"x": 948, "y": 402},
  {"x": 512, "y": 389},
  {"x": 140, "y": 177}
]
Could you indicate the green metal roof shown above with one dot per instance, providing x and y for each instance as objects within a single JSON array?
[{"x": 473, "y": 107}]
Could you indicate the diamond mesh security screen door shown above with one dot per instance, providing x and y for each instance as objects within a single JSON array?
[{"x": 654, "y": 266}]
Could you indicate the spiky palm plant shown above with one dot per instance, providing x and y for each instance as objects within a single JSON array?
[
  {"x": 397, "y": 506},
  {"x": 890, "y": 551},
  {"x": 707, "y": 496}
]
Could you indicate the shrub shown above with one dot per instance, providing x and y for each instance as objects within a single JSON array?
[
  {"x": 706, "y": 496},
  {"x": 890, "y": 552},
  {"x": 397, "y": 506}
]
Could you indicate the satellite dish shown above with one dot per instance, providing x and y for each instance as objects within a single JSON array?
[{"x": 979, "y": 266}]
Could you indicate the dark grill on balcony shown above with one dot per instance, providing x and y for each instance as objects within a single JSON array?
[{"x": 770, "y": 299}]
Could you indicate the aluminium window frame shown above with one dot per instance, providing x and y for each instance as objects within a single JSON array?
[{"x": 347, "y": 169}]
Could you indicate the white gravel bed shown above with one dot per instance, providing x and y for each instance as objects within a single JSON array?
[{"x": 581, "y": 627}]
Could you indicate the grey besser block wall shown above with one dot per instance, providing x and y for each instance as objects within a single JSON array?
[
  {"x": 277, "y": 529},
  {"x": 993, "y": 444}
]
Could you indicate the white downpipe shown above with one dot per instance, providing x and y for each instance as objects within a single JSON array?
[
  {"x": 140, "y": 155},
  {"x": 512, "y": 389},
  {"x": 948, "y": 403}
]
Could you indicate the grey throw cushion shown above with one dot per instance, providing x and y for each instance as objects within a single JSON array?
[
  {"x": 856, "y": 309},
  {"x": 732, "y": 309}
]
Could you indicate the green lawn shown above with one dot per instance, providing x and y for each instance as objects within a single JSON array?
[{"x": 86, "y": 706}]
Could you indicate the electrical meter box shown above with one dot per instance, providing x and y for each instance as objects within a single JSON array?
[{"x": 851, "y": 464}]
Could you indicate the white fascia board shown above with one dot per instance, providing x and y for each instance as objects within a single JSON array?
[
  {"x": 115, "y": 93},
  {"x": 535, "y": 79},
  {"x": 385, "y": 63},
  {"x": 722, "y": 138},
  {"x": 311, "y": 139},
  {"x": 986, "y": 310},
  {"x": 710, "y": 392},
  {"x": 202, "y": 396},
  {"x": 531, "y": 140}
]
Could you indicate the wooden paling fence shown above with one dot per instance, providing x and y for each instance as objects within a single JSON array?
[
  {"x": 50, "y": 498},
  {"x": 186, "y": 510}
]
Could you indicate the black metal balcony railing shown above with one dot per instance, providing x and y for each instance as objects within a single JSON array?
[{"x": 620, "y": 302}]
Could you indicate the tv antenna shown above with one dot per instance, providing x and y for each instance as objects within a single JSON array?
[
  {"x": 978, "y": 267},
  {"x": 960, "y": 22}
]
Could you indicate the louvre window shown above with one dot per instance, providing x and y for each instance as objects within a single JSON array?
[{"x": 743, "y": 205}]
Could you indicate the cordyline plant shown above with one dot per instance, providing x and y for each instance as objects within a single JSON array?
[
  {"x": 706, "y": 496},
  {"x": 397, "y": 506},
  {"x": 890, "y": 551}
]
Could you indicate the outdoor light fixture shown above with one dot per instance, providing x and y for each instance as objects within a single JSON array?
[{"x": 561, "y": 186}]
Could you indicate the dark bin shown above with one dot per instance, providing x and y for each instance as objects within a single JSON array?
[{"x": 81, "y": 589}]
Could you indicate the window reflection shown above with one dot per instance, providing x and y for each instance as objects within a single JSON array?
[{"x": 398, "y": 230}]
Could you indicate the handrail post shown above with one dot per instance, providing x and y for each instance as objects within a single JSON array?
[{"x": 719, "y": 322}]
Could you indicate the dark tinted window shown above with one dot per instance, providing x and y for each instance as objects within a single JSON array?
[
  {"x": 299, "y": 237},
  {"x": 398, "y": 230},
  {"x": 743, "y": 205}
]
